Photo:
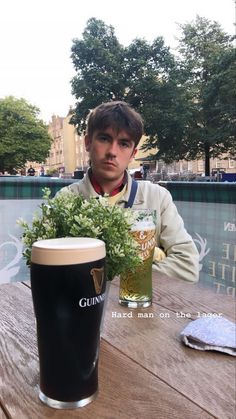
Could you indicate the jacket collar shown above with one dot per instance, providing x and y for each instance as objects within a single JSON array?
[
  {"x": 139, "y": 198},
  {"x": 87, "y": 190},
  {"x": 86, "y": 187},
  {"x": 98, "y": 188}
]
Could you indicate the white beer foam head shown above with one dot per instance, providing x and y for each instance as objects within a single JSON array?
[
  {"x": 67, "y": 251},
  {"x": 140, "y": 225}
]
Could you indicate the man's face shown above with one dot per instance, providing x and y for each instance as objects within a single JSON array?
[{"x": 110, "y": 153}]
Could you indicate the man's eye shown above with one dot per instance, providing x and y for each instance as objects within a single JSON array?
[
  {"x": 125, "y": 144},
  {"x": 103, "y": 138}
]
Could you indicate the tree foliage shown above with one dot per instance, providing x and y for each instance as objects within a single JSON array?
[
  {"x": 23, "y": 136},
  {"x": 187, "y": 103},
  {"x": 106, "y": 70},
  {"x": 97, "y": 59},
  {"x": 208, "y": 75}
]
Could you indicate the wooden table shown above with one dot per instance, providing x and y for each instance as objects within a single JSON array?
[{"x": 144, "y": 369}]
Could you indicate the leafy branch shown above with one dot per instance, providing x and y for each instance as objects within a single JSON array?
[{"x": 70, "y": 215}]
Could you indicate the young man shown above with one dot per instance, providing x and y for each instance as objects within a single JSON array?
[{"x": 113, "y": 133}]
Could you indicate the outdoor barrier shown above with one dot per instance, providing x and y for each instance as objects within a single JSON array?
[
  {"x": 19, "y": 198},
  {"x": 208, "y": 210},
  {"x": 209, "y": 214}
]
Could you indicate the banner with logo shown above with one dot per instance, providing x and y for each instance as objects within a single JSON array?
[
  {"x": 12, "y": 265},
  {"x": 213, "y": 229}
]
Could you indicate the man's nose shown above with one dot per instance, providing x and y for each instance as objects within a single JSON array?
[{"x": 112, "y": 149}]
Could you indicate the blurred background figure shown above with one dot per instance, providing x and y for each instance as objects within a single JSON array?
[
  {"x": 144, "y": 171},
  {"x": 41, "y": 172},
  {"x": 31, "y": 171}
]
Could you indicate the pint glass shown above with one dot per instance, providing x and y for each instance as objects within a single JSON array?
[
  {"x": 68, "y": 291},
  {"x": 136, "y": 287}
]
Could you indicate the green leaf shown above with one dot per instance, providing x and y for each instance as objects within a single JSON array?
[{"x": 70, "y": 215}]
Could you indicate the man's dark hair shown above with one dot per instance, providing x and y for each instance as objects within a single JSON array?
[{"x": 117, "y": 115}]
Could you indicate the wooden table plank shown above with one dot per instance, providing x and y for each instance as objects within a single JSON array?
[
  {"x": 178, "y": 295},
  {"x": 186, "y": 297},
  {"x": 206, "y": 377},
  {"x": 125, "y": 387}
]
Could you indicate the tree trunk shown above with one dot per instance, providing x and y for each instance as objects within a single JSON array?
[{"x": 207, "y": 160}]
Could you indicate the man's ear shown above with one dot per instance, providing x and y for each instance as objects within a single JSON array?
[{"x": 87, "y": 142}]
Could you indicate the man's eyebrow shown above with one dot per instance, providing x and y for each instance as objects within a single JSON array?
[
  {"x": 104, "y": 134},
  {"x": 107, "y": 135},
  {"x": 126, "y": 139}
]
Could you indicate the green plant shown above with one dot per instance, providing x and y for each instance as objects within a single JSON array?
[{"x": 70, "y": 215}]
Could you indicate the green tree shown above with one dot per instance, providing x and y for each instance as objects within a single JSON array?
[
  {"x": 184, "y": 102},
  {"x": 153, "y": 90},
  {"x": 208, "y": 75},
  {"x": 139, "y": 74},
  {"x": 98, "y": 60},
  {"x": 23, "y": 136},
  {"x": 220, "y": 98}
]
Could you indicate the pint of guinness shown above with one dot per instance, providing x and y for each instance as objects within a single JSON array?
[{"x": 68, "y": 290}]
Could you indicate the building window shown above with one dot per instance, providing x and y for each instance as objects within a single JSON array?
[
  {"x": 231, "y": 163},
  {"x": 200, "y": 167}
]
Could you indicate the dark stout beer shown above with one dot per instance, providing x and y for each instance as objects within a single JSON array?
[{"x": 68, "y": 289}]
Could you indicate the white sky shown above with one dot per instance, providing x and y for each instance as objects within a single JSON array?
[{"x": 36, "y": 39}]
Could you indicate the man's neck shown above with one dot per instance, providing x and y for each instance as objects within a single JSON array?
[{"x": 110, "y": 187}]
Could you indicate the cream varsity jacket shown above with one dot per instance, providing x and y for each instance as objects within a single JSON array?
[{"x": 182, "y": 257}]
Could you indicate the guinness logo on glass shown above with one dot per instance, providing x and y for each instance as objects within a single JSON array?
[{"x": 98, "y": 278}]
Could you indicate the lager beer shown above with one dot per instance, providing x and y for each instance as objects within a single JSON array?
[
  {"x": 68, "y": 290},
  {"x": 136, "y": 287}
]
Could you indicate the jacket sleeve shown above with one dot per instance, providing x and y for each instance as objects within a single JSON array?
[{"x": 182, "y": 257}]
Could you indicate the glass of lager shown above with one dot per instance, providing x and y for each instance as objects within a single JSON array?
[
  {"x": 136, "y": 287},
  {"x": 68, "y": 291}
]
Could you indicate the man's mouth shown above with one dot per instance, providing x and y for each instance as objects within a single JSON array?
[{"x": 109, "y": 163}]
